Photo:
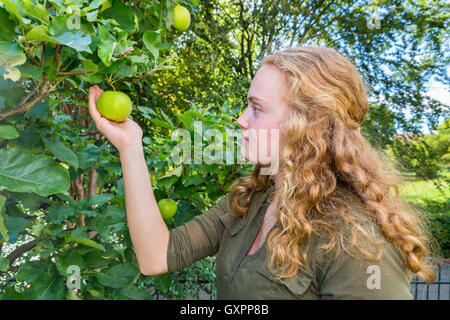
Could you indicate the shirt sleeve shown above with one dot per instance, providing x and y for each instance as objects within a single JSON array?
[
  {"x": 196, "y": 239},
  {"x": 347, "y": 277}
]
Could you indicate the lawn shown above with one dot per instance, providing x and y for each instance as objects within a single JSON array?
[
  {"x": 422, "y": 191},
  {"x": 435, "y": 204}
]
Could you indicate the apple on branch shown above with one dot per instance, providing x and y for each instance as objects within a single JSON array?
[{"x": 182, "y": 18}]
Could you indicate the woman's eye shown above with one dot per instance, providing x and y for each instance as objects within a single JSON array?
[{"x": 255, "y": 109}]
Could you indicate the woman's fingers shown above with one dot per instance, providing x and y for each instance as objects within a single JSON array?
[
  {"x": 93, "y": 97},
  {"x": 92, "y": 103},
  {"x": 98, "y": 92}
]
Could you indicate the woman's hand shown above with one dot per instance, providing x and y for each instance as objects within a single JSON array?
[{"x": 122, "y": 135}]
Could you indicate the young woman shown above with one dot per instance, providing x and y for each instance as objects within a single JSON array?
[{"x": 325, "y": 225}]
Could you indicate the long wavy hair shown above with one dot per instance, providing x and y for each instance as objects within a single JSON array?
[{"x": 324, "y": 149}]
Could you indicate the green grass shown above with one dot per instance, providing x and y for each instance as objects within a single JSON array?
[
  {"x": 435, "y": 204},
  {"x": 422, "y": 191}
]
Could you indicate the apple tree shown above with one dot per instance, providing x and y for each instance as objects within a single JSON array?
[{"x": 63, "y": 228}]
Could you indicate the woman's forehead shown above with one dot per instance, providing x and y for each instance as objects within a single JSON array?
[{"x": 267, "y": 85}]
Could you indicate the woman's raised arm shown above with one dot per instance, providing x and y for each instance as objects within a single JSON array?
[{"x": 148, "y": 231}]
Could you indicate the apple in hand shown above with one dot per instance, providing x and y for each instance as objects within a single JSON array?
[
  {"x": 114, "y": 105},
  {"x": 181, "y": 17},
  {"x": 167, "y": 207}
]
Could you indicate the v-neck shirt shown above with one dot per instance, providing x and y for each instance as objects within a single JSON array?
[{"x": 220, "y": 232}]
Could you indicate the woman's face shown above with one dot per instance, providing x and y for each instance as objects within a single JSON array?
[{"x": 261, "y": 120}]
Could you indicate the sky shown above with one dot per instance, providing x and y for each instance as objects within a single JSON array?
[{"x": 441, "y": 93}]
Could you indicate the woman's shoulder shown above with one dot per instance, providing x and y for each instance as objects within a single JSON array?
[
  {"x": 347, "y": 224},
  {"x": 353, "y": 206}
]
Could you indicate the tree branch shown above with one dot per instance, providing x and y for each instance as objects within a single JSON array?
[
  {"x": 24, "y": 105},
  {"x": 19, "y": 252},
  {"x": 73, "y": 73},
  {"x": 43, "y": 55},
  {"x": 231, "y": 176},
  {"x": 57, "y": 56}
]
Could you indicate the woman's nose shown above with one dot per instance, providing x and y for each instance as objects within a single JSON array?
[{"x": 241, "y": 122}]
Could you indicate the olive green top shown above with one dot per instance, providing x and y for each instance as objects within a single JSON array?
[{"x": 220, "y": 232}]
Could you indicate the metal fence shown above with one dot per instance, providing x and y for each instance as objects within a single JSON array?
[{"x": 438, "y": 290}]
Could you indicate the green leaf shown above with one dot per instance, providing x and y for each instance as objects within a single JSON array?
[
  {"x": 40, "y": 33},
  {"x": 119, "y": 276},
  {"x": 67, "y": 198},
  {"x": 15, "y": 225},
  {"x": 176, "y": 172},
  {"x": 9, "y": 62},
  {"x": 162, "y": 282},
  {"x": 37, "y": 230},
  {"x": 23, "y": 172},
  {"x": 86, "y": 242},
  {"x": 100, "y": 199},
  {"x": 187, "y": 117},
  {"x": 15, "y": 7},
  {"x": 5, "y": 23},
  {"x": 91, "y": 15},
  {"x": 122, "y": 14},
  {"x": 72, "y": 295},
  {"x": 48, "y": 287},
  {"x": 88, "y": 156},
  {"x": 113, "y": 217},
  {"x": 3, "y": 230},
  {"x": 88, "y": 65},
  {"x": 125, "y": 71},
  {"x": 95, "y": 260},
  {"x": 72, "y": 258},
  {"x": 39, "y": 110},
  {"x": 32, "y": 270},
  {"x": 78, "y": 40},
  {"x": 30, "y": 71},
  {"x": 61, "y": 152},
  {"x": 36, "y": 10},
  {"x": 169, "y": 15},
  {"x": 105, "y": 51},
  {"x": 10, "y": 49},
  {"x": 194, "y": 180},
  {"x": 29, "y": 139},
  {"x": 58, "y": 4},
  {"x": 152, "y": 41},
  {"x": 134, "y": 293},
  {"x": 170, "y": 178},
  {"x": 10, "y": 93},
  {"x": 45, "y": 248},
  {"x": 10, "y": 293},
  {"x": 68, "y": 23},
  {"x": 59, "y": 212},
  {"x": 29, "y": 200},
  {"x": 161, "y": 123},
  {"x": 8, "y": 132}
]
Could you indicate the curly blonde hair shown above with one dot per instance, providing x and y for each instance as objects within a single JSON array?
[{"x": 324, "y": 149}]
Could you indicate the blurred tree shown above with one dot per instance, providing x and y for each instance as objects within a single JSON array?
[{"x": 399, "y": 46}]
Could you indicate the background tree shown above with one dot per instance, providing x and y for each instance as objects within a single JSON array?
[{"x": 61, "y": 190}]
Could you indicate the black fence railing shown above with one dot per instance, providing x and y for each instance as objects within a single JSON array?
[{"x": 438, "y": 290}]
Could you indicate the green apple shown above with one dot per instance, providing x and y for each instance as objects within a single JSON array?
[
  {"x": 167, "y": 207},
  {"x": 114, "y": 105},
  {"x": 181, "y": 17}
]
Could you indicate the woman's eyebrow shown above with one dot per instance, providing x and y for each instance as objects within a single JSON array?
[{"x": 256, "y": 99}]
